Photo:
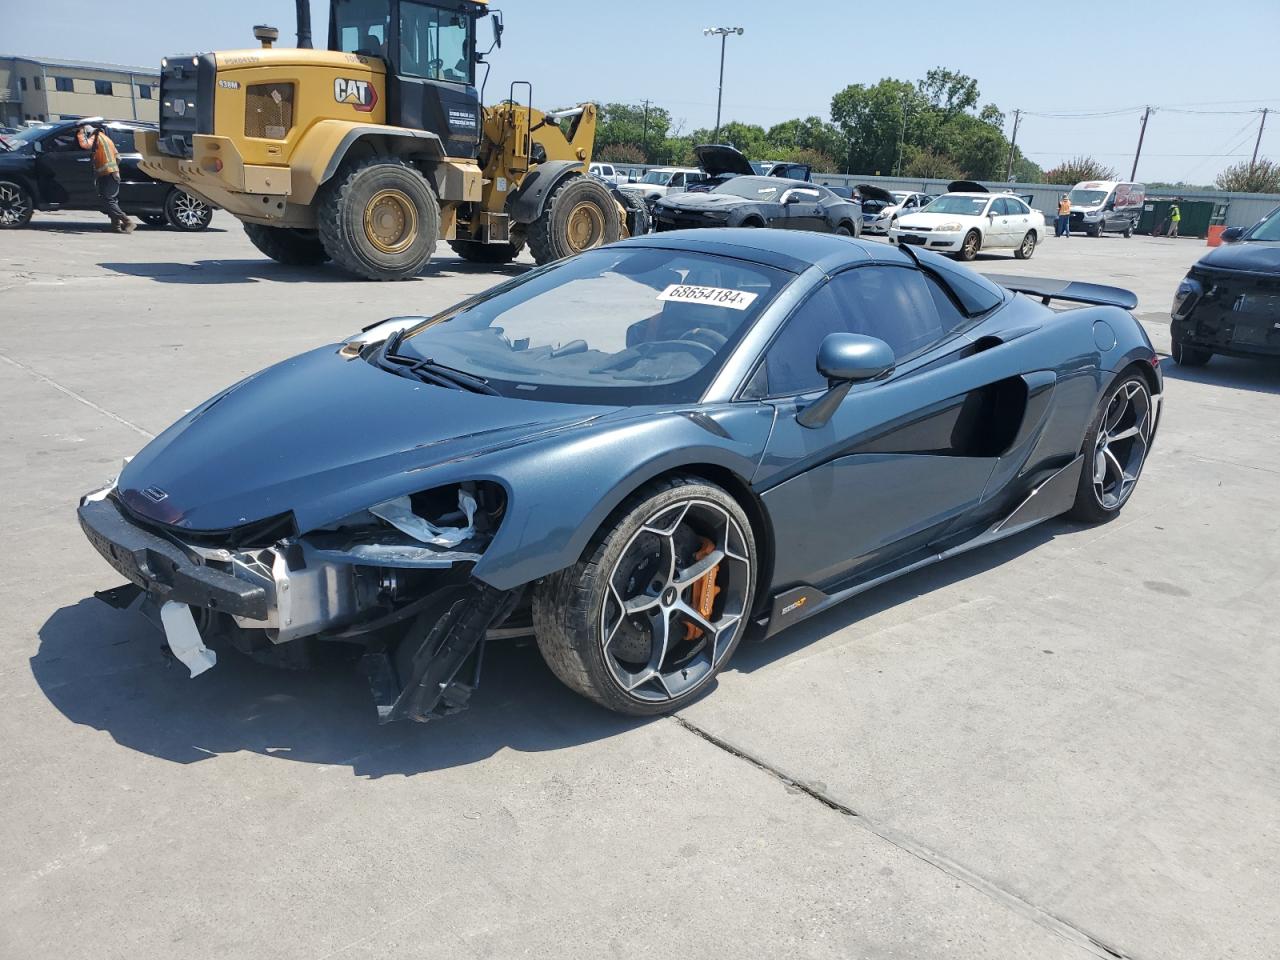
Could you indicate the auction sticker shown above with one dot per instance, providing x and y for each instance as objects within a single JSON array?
[{"x": 711, "y": 296}]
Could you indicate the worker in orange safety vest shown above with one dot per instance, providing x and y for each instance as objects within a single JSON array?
[{"x": 106, "y": 173}]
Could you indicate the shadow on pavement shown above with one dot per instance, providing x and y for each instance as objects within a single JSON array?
[
  {"x": 256, "y": 271},
  {"x": 751, "y": 656},
  {"x": 1261, "y": 375},
  {"x": 103, "y": 225},
  {"x": 105, "y": 669}
]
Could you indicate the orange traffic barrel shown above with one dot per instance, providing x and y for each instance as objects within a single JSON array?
[{"x": 1215, "y": 235}]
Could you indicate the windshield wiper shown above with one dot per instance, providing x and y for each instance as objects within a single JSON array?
[{"x": 441, "y": 375}]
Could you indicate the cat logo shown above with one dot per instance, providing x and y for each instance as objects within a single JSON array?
[{"x": 361, "y": 94}]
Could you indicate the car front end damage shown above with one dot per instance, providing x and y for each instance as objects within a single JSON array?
[
  {"x": 1229, "y": 312},
  {"x": 392, "y": 583}
]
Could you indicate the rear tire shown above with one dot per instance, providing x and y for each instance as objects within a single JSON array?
[
  {"x": 579, "y": 215},
  {"x": 16, "y": 205},
  {"x": 476, "y": 252},
  {"x": 642, "y": 555},
  {"x": 844, "y": 230},
  {"x": 294, "y": 248},
  {"x": 184, "y": 212},
  {"x": 1115, "y": 449},
  {"x": 1025, "y": 249},
  {"x": 379, "y": 219}
]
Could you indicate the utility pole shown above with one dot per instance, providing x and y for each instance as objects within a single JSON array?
[
  {"x": 902, "y": 136},
  {"x": 1257, "y": 143},
  {"x": 1141, "y": 135},
  {"x": 1013, "y": 142},
  {"x": 645, "y": 135},
  {"x": 723, "y": 34}
]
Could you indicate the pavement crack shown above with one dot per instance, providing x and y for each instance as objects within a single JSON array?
[
  {"x": 77, "y": 397},
  {"x": 1063, "y": 929}
]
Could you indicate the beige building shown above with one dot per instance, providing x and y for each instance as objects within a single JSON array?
[{"x": 35, "y": 88}]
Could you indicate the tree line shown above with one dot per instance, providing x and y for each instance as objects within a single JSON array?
[{"x": 932, "y": 128}]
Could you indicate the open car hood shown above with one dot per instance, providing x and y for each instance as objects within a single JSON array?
[
  {"x": 870, "y": 192},
  {"x": 322, "y": 437},
  {"x": 718, "y": 158},
  {"x": 966, "y": 186}
]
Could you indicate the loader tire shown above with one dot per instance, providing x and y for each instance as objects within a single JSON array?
[
  {"x": 379, "y": 219},
  {"x": 476, "y": 252},
  {"x": 295, "y": 248},
  {"x": 638, "y": 220},
  {"x": 580, "y": 214}
]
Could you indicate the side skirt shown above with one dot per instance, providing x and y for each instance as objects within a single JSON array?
[{"x": 1049, "y": 499}]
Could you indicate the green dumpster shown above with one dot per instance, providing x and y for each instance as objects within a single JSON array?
[{"x": 1196, "y": 216}]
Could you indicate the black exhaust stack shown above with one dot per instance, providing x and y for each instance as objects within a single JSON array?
[{"x": 304, "y": 24}]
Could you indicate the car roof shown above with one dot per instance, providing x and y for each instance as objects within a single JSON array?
[{"x": 792, "y": 250}]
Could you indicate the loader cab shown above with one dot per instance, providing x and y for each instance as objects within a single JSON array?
[{"x": 430, "y": 52}]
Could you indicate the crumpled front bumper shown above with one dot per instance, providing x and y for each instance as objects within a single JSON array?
[{"x": 162, "y": 569}]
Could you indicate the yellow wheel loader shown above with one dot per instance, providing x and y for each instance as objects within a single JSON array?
[{"x": 370, "y": 152}]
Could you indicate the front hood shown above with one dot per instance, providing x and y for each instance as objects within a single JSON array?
[
  {"x": 872, "y": 192},
  {"x": 1255, "y": 256},
  {"x": 965, "y": 186},
  {"x": 703, "y": 201},
  {"x": 717, "y": 158},
  {"x": 933, "y": 219},
  {"x": 323, "y": 437}
]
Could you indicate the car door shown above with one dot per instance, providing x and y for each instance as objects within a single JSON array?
[
  {"x": 138, "y": 191},
  {"x": 1019, "y": 221},
  {"x": 901, "y": 459},
  {"x": 66, "y": 171},
  {"x": 802, "y": 210},
  {"x": 999, "y": 226}
]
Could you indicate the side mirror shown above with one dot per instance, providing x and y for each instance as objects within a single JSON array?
[
  {"x": 791, "y": 198},
  {"x": 497, "y": 28},
  {"x": 845, "y": 359},
  {"x": 1232, "y": 234}
]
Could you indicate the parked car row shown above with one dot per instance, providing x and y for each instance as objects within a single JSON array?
[{"x": 43, "y": 168}]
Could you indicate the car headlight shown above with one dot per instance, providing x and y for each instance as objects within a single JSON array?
[
  {"x": 1186, "y": 297},
  {"x": 949, "y": 227}
]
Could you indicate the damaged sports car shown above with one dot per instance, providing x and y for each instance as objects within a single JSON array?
[{"x": 638, "y": 455}]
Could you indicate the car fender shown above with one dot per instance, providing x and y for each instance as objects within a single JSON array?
[
  {"x": 323, "y": 148},
  {"x": 527, "y": 203},
  {"x": 563, "y": 490}
]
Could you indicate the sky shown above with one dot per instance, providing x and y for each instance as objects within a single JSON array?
[{"x": 1045, "y": 58}]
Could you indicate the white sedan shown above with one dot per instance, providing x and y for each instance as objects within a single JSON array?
[{"x": 964, "y": 223}]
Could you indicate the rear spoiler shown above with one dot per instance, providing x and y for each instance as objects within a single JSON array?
[{"x": 1073, "y": 290}]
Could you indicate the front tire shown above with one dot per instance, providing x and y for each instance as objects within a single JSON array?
[
  {"x": 1025, "y": 249},
  {"x": 579, "y": 215},
  {"x": 16, "y": 205},
  {"x": 969, "y": 249},
  {"x": 1185, "y": 356},
  {"x": 293, "y": 248},
  {"x": 653, "y": 611},
  {"x": 184, "y": 212},
  {"x": 379, "y": 219},
  {"x": 844, "y": 230},
  {"x": 1115, "y": 449}
]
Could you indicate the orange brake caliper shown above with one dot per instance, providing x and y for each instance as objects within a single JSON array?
[{"x": 704, "y": 591}]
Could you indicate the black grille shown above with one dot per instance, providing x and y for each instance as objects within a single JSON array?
[{"x": 186, "y": 102}]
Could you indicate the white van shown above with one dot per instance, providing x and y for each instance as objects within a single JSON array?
[{"x": 1106, "y": 206}]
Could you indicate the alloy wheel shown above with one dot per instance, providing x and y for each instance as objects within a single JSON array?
[
  {"x": 676, "y": 599},
  {"x": 14, "y": 207},
  {"x": 188, "y": 211},
  {"x": 1124, "y": 436}
]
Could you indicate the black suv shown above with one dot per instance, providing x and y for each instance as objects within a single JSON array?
[{"x": 43, "y": 168}]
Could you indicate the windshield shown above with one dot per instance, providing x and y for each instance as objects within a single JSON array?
[
  {"x": 752, "y": 188},
  {"x": 1267, "y": 228},
  {"x": 627, "y": 325},
  {"x": 1087, "y": 198},
  {"x": 657, "y": 177},
  {"x": 27, "y": 134},
  {"x": 363, "y": 26},
  {"x": 954, "y": 203}
]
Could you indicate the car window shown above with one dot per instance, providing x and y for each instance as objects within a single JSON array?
[
  {"x": 803, "y": 196},
  {"x": 900, "y": 305},
  {"x": 61, "y": 142},
  {"x": 122, "y": 137}
]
